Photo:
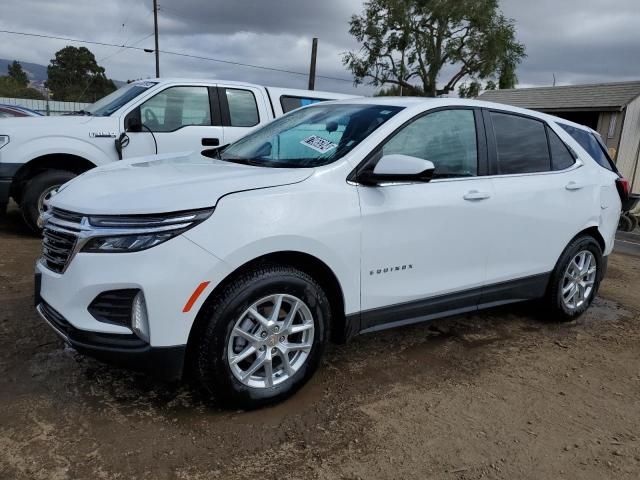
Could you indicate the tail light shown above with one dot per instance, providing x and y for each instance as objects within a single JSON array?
[{"x": 622, "y": 184}]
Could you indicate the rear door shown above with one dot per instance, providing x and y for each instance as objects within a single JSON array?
[
  {"x": 177, "y": 119},
  {"x": 543, "y": 197}
]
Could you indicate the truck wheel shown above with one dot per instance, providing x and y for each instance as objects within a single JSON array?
[
  {"x": 625, "y": 224},
  {"x": 263, "y": 337},
  {"x": 575, "y": 280},
  {"x": 37, "y": 191}
]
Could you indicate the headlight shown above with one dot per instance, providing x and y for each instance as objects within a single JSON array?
[
  {"x": 4, "y": 139},
  {"x": 113, "y": 234}
]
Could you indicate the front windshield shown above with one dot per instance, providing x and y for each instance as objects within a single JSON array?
[
  {"x": 112, "y": 102},
  {"x": 310, "y": 137}
]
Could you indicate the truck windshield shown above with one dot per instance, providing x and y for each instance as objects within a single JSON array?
[
  {"x": 112, "y": 102},
  {"x": 310, "y": 137}
]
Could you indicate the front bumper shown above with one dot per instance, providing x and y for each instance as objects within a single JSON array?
[
  {"x": 7, "y": 173},
  {"x": 167, "y": 275},
  {"x": 122, "y": 350}
]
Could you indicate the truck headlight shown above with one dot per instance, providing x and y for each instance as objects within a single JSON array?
[
  {"x": 4, "y": 139},
  {"x": 119, "y": 234}
]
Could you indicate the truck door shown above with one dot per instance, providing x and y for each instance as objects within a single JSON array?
[
  {"x": 243, "y": 109},
  {"x": 177, "y": 119}
]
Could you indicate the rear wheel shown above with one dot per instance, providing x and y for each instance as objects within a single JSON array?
[
  {"x": 263, "y": 337},
  {"x": 576, "y": 278},
  {"x": 38, "y": 191}
]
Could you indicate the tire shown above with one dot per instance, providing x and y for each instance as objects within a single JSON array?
[
  {"x": 36, "y": 187},
  {"x": 634, "y": 222},
  {"x": 625, "y": 224},
  {"x": 218, "y": 340},
  {"x": 560, "y": 309}
]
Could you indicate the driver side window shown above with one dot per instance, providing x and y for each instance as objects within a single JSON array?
[
  {"x": 446, "y": 137},
  {"x": 176, "y": 107}
]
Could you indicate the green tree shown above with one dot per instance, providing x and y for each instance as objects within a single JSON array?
[
  {"x": 18, "y": 74},
  {"x": 409, "y": 43},
  {"x": 12, "y": 89},
  {"x": 74, "y": 75}
]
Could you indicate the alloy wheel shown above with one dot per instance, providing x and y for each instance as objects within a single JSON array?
[
  {"x": 579, "y": 280},
  {"x": 270, "y": 341}
]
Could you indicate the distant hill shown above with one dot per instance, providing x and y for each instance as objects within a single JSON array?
[{"x": 35, "y": 71}]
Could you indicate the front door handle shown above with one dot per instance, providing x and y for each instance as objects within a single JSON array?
[
  {"x": 210, "y": 142},
  {"x": 476, "y": 195},
  {"x": 574, "y": 185}
]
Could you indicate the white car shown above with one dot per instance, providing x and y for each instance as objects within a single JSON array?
[
  {"x": 337, "y": 219},
  {"x": 167, "y": 115}
]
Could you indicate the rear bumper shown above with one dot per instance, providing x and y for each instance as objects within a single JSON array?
[{"x": 118, "y": 349}]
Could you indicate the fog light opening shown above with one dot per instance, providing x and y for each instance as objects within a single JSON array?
[{"x": 139, "y": 320}]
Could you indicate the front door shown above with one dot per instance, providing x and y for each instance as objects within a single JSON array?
[
  {"x": 177, "y": 119},
  {"x": 424, "y": 245}
]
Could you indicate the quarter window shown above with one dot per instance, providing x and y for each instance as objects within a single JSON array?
[
  {"x": 447, "y": 138},
  {"x": 291, "y": 103},
  {"x": 561, "y": 157},
  {"x": 243, "y": 109},
  {"x": 521, "y": 144},
  {"x": 176, "y": 107},
  {"x": 589, "y": 142}
]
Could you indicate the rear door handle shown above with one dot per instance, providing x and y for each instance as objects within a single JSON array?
[
  {"x": 210, "y": 142},
  {"x": 476, "y": 195},
  {"x": 574, "y": 186}
]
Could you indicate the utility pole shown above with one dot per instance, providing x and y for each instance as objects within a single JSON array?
[
  {"x": 312, "y": 68},
  {"x": 155, "y": 28}
]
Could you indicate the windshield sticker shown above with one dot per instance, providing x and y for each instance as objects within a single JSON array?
[{"x": 319, "y": 144}]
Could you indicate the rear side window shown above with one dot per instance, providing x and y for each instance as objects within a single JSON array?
[
  {"x": 521, "y": 144},
  {"x": 588, "y": 141},
  {"x": 291, "y": 103},
  {"x": 561, "y": 156},
  {"x": 243, "y": 109}
]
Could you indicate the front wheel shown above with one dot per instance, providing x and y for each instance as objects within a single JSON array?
[
  {"x": 263, "y": 337},
  {"x": 576, "y": 278},
  {"x": 37, "y": 192}
]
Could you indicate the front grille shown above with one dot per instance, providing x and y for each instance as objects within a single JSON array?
[
  {"x": 66, "y": 215},
  {"x": 60, "y": 234},
  {"x": 114, "y": 306}
]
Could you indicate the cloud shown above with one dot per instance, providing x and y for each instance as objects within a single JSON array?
[{"x": 577, "y": 40}]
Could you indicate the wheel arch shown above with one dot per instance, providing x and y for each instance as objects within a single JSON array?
[
  {"x": 53, "y": 161},
  {"x": 592, "y": 232},
  {"x": 305, "y": 262}
]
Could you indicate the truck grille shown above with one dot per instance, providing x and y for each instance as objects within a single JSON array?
[{"x": 60, "y": 234}]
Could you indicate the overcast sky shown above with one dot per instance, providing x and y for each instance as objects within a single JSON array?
[{"x": 579, "y": 41}]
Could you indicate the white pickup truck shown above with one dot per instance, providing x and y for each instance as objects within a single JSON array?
[{"x": 39, "y": 154}]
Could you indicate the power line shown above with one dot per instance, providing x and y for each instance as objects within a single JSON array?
[{"x": 179, "y": 54}]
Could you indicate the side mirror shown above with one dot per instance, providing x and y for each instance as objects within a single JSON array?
[
  {"x": 398, "y": 168},
  {"x": 132, "y": 122}
]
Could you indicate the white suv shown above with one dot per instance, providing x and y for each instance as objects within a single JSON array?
[{"x": 337, "y": 219}]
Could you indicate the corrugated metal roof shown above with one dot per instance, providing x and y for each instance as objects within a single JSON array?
[{"x": 606, "y": 96}]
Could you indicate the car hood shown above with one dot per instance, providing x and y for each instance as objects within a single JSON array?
[{"x": 166, "y": 183}]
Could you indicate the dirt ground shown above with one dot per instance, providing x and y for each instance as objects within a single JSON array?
[{"x": 504, "y": 394}]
